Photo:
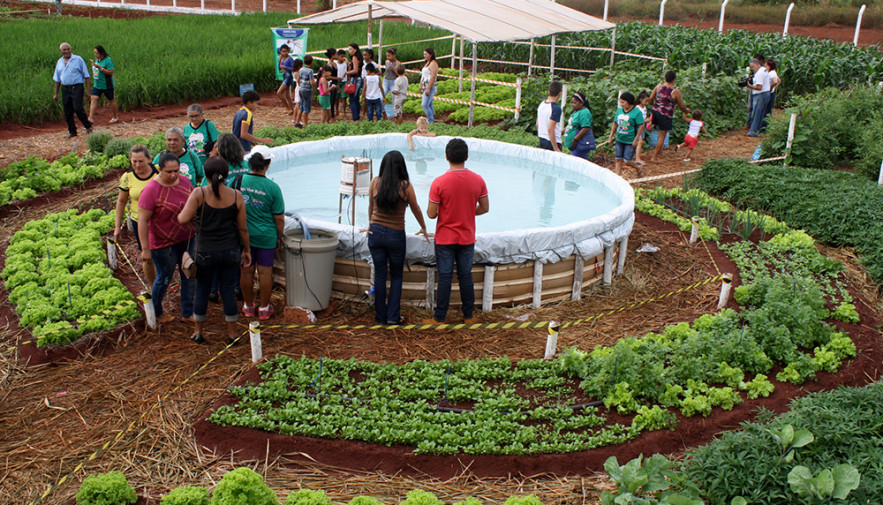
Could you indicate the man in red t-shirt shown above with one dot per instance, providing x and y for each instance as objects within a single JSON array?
[{"x": 455, "y": 198}]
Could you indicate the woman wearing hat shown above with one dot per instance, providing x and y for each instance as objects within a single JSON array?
[
  {"x": 578, "y": 136},
  {"x": 264, "y": 208}
]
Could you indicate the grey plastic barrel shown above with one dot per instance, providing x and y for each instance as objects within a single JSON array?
[{"x": 309, "y": 268}]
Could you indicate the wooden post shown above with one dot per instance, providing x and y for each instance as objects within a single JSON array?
[
  {"x": 460, "y": 85},
  {"x": 608, "y": 265},
  {"x": 537, "y": 300},
  {"x": 453, "y": 51},
  {"x": 370, "y": 22},
  {"x": 430, "y": 288},
  {"x": 613, "y": 46},
  {"x": 487, "y": 293},
  {"x": 623, "y": 250},
  {"x": 380, "y": 55},
  {"x": 552, "y": 57},
  {"x": 472, "y": 86},
  {"x": 576, "y": 292},
  {"x": 530, "y": 56}
]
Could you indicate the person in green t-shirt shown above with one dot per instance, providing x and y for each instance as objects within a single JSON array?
[
  {"x": 628, "y": 125},
  {"x": 264, "y": 208},
  {"x": 191, "y": 165},
  {"x": 228, "y": 147},
  {"x": 578, "y": 136},
  {"x": 102, "y": 84},
  {"x": 200, "y": 133}
]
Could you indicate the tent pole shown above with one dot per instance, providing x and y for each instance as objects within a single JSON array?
[
  {"x": 380, "y": 55},
  {"x": 613, "y": 46},
  {"x": 453, "y": 51},
  {"x": 552, "y": 60},
  {"x": 370, "y": 24},
  {"x": 530, "y": 57},
  {"x": 472, "y": 86},
  {"x": 460, "y": 85}
]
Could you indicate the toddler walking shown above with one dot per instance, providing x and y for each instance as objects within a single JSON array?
[{"x": 691, "y": 140}]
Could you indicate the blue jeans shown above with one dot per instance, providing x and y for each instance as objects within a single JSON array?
[
  {"x": 769, "y": 110},
  {"x": 165, "y": 260},
  {"x": 355, "y": 106},
  {"x": 225, "y": 265},
  {"x": 387, "y": 245},
  {"x": 375, "y": 108},
  {"x": 426, "y": 103},
  {"x": 547, "y": 145},
  {"x": 388, "y": 84},
  {"x": 759, "y": 103},
  {"x": 623, "y": 151},
  {"x": 445, "y": 257}
]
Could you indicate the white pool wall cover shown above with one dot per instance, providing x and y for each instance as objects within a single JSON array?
[{"x": 586, "y": 238}]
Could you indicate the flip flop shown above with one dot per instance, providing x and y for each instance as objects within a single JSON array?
[{"x": 114, "y": 120}]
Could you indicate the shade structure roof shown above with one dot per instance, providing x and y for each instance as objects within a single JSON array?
[{"x": 475, "y": 20}]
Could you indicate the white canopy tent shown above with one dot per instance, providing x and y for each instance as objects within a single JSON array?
[{"x": 473, "y": 20}]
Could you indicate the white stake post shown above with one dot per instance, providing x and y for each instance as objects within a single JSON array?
[
  {"x": 472, "y": 86},
  {"x": 880, "y": 177},
  {"x": 453, "y": 48},
  {"x": 720, "y": 23},
  {"x": 858, "y": 24},
  {"x": 662, "y": 11},
  {"x": 792, "y": 129},
  {"x": 552, "y": 58},
  {"x": 460, "y": 82},
  {"x": 551, "y": 341},
  {"x": 334, "y": 4},
  {"x": 149, "y": 313},
  {"x": 787, "y": 19},
  {"x": 613, "y": 46},
  {"x": 254, "y": 332},
  {"x": 606, "y": 5},
  {"x": 694, "y": 230},
  {"x": 518, "y": 82},
  {"x": 111, "y": 254},
  {"x": 202, "y": 5},
  {"x": 370, "y": 23},
  {"x": 726, "y": 284},
  {"x": 265, "y": 5},
  {"x": 530, "y": 56}
]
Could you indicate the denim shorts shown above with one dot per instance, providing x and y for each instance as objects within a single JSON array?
[
  {"x": 288, "y": 80},
  {"x": 625, "y": 151},
  {"x": 306, "y": 100}
]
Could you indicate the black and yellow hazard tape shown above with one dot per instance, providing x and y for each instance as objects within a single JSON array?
[
  {"x": 134, "y": 270},
  {"x": 107, "y": 445}
]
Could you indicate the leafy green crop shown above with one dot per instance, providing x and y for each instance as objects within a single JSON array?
[
  {"x": 23, "y": 180},
  {"x": 57, "y": 280},
  {"x": 109, "y": 488},
  {"x": 186, "y": 495},
  {"x": 243, "y": 486},
  {"x": 308, "y": 497}
]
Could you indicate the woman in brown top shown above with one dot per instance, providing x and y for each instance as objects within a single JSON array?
[{"x": 391, "y": 192}]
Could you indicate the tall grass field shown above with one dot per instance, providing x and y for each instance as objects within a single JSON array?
[{"x": 167, "y": 59}]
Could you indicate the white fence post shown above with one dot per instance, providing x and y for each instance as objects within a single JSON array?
[
  {"x": 518, "y": 81},
  {"x": 858, "y": 24},
  {"x": 792, "y": 129},
  {"x": 720, "y": 24},
  {"x": 552, "y": 57},
  {"x": 880, "y": 177},
  {"x": 787, "y": 19},
  {"x": 202, "y": 5},
  {"x": 662, "y": 11},
  {"x": 530, "y": 56},
  {"x": 453, "y": 49},
  {"x": 265, "y": 5},
  {"x": 613, "y": 46},
  {"x": 606, "y": 5},
  {"x": 334, "y": 4},
  {"x": 232, "y": 6},
  {"x": 298, "y": 6}
]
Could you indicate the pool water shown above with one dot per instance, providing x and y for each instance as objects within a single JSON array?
[{"x": 522, "y": 193}]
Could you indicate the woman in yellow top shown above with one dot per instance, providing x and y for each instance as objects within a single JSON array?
[{"x": 131, "y": 184}]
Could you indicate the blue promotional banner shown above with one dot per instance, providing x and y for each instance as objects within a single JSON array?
[{"x": 294, "y": 38}]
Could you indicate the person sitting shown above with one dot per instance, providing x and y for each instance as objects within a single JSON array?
[
  {"x": 222, "y": 227},
  {"x": 422, "y": 130}
]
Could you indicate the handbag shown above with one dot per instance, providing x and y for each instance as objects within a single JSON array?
[
  {"x": 188, "y": 263},
  {"x": 350, "y": 88},
  {"x": 588, "y": 140}
]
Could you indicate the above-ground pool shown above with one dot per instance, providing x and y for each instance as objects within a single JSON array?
[{"x": 545, "y": 209}]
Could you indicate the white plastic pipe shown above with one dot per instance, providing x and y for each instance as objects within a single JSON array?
[
  {"x": 858, "y": 24},
  {"x": 662, "y": 11},
  {"x": 530, "y": 57},
  {"x": 792, "y": 129},
  {"x": 519, "y": 82},
  {"x": 880, "y": 177},
  {"x": 149, "y": 313},
  {"x": 265, "y": 5},
  {"x": 694, "y": 230},
  {"x": 111, "y": 254},
  {"x": 552, "y": 57},
  {"x": 334, "y": 4},
  {"x": 202, "y": 5},
  {"x": 720, "y": 23},
  {"x": 606, "y": 5},
  {"x": 787, "y": 19},
  {"x": 607, "y": 276},
  {"x": 472, "y": 86},
  {"x": 726, "y": 284},
  {"x": 551, "y": 341},
  {"x": 254, "y": 332}
]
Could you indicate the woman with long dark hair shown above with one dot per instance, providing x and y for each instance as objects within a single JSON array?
[
  {"x": 391, "y": 191},
  {"x": 355, "y": 76},
  {"x": 428, "y": 84},
  {"x": 222, "y": 228},
  {"x": 102, "y": 83}
]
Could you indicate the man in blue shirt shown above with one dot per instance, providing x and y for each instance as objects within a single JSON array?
[{"x": 70, "y": 74}]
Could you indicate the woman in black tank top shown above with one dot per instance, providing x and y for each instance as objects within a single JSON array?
[{"x": 221, "y": 244}]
